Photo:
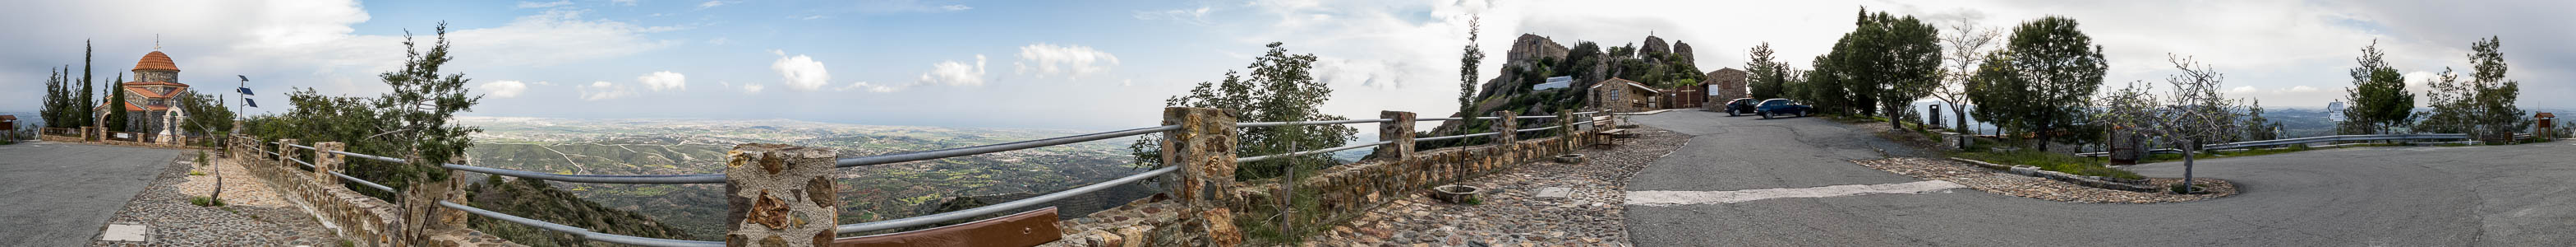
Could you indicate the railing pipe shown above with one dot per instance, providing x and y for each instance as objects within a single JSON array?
[
  {"x": 1298, "y": 123},
  {"x": 954, "y": 152},
  {"x": 997, "y": 208},
  {"x": 596, "y": 179},
  {"x": 1438, "y": 119},
  {"x": 577, "y": 231},
  {"x": 1327, "y": 150},
  {"x": 346, "y": 177},
  {"x": 1456, "y": 136}
]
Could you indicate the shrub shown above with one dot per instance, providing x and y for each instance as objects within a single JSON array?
[
  {"x": 196, "y": 173},
  {"x": 206, "y": 201}
]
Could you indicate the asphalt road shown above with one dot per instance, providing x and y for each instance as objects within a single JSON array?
[
  {"x": 2522, "y": 195},
  {"x": 58, "y": 194}
]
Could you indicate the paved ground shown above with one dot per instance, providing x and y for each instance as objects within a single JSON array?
[
  {"x": 60, "y": 194},
  {"x": 2391, "y": 196}
]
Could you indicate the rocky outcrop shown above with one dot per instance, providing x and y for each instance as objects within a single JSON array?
[
  {"x": 1655, "y": 47},
  {"x": 1530, "y": 47},
  {"x": 1685, "y": 50}
]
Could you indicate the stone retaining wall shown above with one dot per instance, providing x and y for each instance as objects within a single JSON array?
[
  {"x": 1348, "y": 190},
  {"x": 363, "y": 220}
]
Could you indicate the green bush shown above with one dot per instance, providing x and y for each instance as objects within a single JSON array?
[
  {"x": 206, "y": 201},
  {"x": 2051, "y": 161}
]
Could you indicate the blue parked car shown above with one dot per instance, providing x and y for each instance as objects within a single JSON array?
[{"x": 1781, "y": 107}]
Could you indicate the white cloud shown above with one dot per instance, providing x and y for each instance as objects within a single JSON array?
[
  {"x": 2300, "y": 89},
  {"x": 1186, "y": 16},
  {"x": 1069, "y": 61},
  {"x": 623, "y": 2},
  {"x": 554, "y": 37},
  {"x": 502, "y": 89},
  {"x": 531, "y": 5},
  {"x": 802, "y": 73},
  {"x": 752, "y": 88},
  {"x": 602, "y": 90},
  {"x": 1128, "y": 82},
  {"x": 873, "y": 88},
  {"x": 809, "y": 17},
  {"x": 954, "y": 73},
  {"x": 711, "y": 4},
  {"x": 719, "y": 41},
  {"x": 664, "y": 80},
  {"x": 2242, "y": 89},
  {"x": 955, "y": 7}
]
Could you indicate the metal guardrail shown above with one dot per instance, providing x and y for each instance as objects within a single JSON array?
[
  {"x": 2336, "y": 138},
  {"x": 2279, "y": 142}
]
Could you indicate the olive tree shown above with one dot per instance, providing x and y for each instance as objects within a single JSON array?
[{"x": 2192, "y": 112}]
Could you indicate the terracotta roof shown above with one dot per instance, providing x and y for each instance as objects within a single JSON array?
[
  {"x": 2545, "y": 115},
  {"x": 142, "y": 83},
  {"x": 145, "y": 92},
  {"x": 155, "y": 61},
  {"x": 9, "y": 117}
]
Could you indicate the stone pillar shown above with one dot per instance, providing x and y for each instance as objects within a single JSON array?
[
  {"x": 1204, "y": 149},
  {"x": 1506, "y": 128},
  {"x": 1398, "y": 134},
  {"x": 422, "y": 217},
  {"x": 780, "y": 195},
  {"x": 284, "y": 152},
  {"x": 1565, "y": 132},
  {"x": 326, "y": 162}
]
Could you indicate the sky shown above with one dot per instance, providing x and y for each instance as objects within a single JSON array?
[{"x": 1098, "y": 65}]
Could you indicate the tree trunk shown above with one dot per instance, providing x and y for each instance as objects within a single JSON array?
[
  {"x": 1963, "y": 125},
  {"x": 2189, "y": 148}
]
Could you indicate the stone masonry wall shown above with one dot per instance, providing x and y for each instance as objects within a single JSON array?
[
  {"x": 1349, "y": 189},
  {"x": 363, "y": 220}
]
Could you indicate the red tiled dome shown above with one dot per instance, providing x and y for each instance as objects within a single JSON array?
[{"x": 155, "y": 61}]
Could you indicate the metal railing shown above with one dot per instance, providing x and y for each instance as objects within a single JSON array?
[
  {"x": 867, "y": 161},
  {"x": 840, "y": 163},
  {"x": 2280, "y": 142}
]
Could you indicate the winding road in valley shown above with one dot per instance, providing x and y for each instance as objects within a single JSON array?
[{"x": 1790, "y": 182}]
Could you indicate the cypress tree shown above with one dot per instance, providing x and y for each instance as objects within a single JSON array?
[
  {"x": 88, "y": 98},
  {"x": 116, "y": 114}
]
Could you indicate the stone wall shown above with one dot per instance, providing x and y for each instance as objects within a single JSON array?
[
  {"x": 1347, "y": 190},
  {"x": 363, "y": 220}
]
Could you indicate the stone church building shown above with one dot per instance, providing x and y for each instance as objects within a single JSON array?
[{"x": 151, "y": 100}]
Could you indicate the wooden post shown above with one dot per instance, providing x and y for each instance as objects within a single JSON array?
[{"x": 781, "y": 195}]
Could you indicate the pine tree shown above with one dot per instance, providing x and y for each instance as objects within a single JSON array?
[
  {"x": 1763, "y": 74},
  {"x": 55, "y": 104},
  {"x": 2042, "y": 80},
  {"x": 2258, "y": 128},
  {"x": 2378, "y": 95}
]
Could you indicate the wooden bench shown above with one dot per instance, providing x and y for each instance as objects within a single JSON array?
[{"x": 1619, "y": 133}]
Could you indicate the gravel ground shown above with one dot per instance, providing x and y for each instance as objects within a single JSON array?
[
  {"x": 1512, "y": 214},
  {"x": 255, "y": 216},
  {"x": 2009, "y": 184}
]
